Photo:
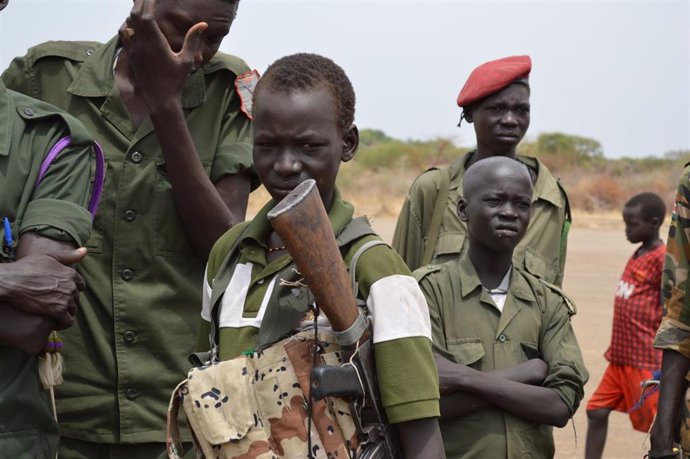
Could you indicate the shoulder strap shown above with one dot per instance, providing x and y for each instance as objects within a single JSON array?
[
  {"x": 567, "y": 222},
  {"x": 355, "y": 258},
  {"x": 437, "y": 217},
  {"x": 99, "y": 179},
  {"x": 570, "y": 304},
  {"x": 220, "y": 283}
]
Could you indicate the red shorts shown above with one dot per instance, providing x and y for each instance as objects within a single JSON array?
[{"x": 620, "y": 390}]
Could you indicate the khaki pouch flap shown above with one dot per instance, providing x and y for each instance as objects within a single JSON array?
[{"x": 212, "y": 391}]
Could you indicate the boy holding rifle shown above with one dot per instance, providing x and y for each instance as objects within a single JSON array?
[
  {"x": 508, "y": 361},
  {"x": 303, "y": 129}
]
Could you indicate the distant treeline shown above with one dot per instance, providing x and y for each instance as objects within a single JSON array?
[{"x": 385, "y": 167}]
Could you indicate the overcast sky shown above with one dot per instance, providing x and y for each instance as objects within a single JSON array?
[{"x": 616, "y": 71}]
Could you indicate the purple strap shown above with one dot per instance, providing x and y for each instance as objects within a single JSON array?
[{"x": 100, "y": 171}]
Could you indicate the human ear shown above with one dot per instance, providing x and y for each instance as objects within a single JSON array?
[
  {"x": 350, "y": 143},
  {"x": 655, "y": 222},
  {"x": 462, "y": 209}
]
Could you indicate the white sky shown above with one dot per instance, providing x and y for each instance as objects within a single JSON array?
[{"x": 616, "y": 71}]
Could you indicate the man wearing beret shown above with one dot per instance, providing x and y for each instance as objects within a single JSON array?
[{"x": 495, "y": 99}]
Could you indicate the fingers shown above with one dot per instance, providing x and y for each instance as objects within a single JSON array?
[
  {"x": 72, "y": 257},
  {"x": 193, "y": 46}
]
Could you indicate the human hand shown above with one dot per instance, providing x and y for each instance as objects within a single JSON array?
[
  {"x": 536, "y": 371},
  {"x": 23, "y": 331},
  {"x": 44, "y": 285},
  {"x": 159, "y": 71},
  {"x": 450, "y": 374}
]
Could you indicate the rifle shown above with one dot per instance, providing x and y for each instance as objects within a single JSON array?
[{"x": 302, "y": 223}]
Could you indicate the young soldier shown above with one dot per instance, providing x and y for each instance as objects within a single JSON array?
[
  {"x": 304, "y": 112},
  {"x": 673, "y": 335},
  {"x": 636, "y": 317},
  {"x": 489, "y": 318},
  {"x": 38, "y": 289},
  {"x": 172, "y": 116},
  {"x": 495, "y": 99}
]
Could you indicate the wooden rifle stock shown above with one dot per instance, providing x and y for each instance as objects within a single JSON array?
[{"x": 302, "y": 223}]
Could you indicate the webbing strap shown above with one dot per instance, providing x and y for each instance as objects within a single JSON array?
[{"x": 437, "y": 217}]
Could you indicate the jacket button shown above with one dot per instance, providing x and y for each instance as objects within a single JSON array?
[
  {"x": 28, "y": 112},
  {"x": 502, "y": 338},
  {"x": 137, "y": 157},
  {"x": 127, "y": 274},
  {"x": 131, "y": 393},
  {"x": 129, "y": 336},
  {"x": 130, "y": 215}
]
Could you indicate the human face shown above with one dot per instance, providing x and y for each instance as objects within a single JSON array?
[
  {"x": 497, "y": 213},
  {"x": 637, "y": 229},
  {"x": 297, "y": 137},
  {"x": 176, "y": 17},
  {"x": 501, "y": 120}
]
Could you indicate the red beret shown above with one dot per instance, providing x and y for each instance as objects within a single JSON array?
[{"x": 493, "y": 76}]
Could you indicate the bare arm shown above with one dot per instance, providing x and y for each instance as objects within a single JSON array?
[
  {"x": 529, "y": 402},
  {"x": 38, "y": 292},
  {"x": 207, "y": 210},
  {"x": 421, "y": 439},
  {"x": 455, "y": 402},
  {"x": 674, "y": 368}
]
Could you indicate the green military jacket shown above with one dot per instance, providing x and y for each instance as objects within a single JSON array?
[
  {"x": 541, "y": 252},
  {"x": 468, "y": 329},
  {"x": 55, "y": 209},
  {"x": 406, "y": 372},
  {"x": 140, "y": 313},
  {"x": 674, "y": 332}
]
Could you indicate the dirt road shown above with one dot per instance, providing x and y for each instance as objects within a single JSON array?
[{"x": 596, "y": 258}]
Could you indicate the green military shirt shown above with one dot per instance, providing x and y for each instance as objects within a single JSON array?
[
  {"x": 541, "y": 252},
  {"x": 674, "y": 332},
  {"x": 468, "y": 329},
  {"x": 55, "y": 209},
  {"x": 140, "y": 313},
  {"x": 406, "y": 372}
]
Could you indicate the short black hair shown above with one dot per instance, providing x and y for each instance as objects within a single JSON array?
[
  {"x": 301, "y": 71},
  {"x": 651, "y": 206}
]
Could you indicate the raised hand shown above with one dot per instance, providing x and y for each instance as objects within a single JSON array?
[{"x": 159, "y": 71}]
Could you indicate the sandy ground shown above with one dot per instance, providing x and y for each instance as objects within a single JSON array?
[{"x": 597, "y": 253}]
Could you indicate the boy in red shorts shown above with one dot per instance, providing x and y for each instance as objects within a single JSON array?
[{"x": 636, "y": 317}]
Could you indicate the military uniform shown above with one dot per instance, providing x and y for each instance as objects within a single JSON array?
[
  {"x": 468, "y": 329},
  {"x": 406, "y": 372},
  {"x": 541, "y": 252},
  {"x": 55, "y": 209},
  {"x": 139, "y": 315},
  {"x": 674, "y": 332}
]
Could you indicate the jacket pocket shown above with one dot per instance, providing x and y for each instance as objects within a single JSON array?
[{"x": 466, "y": 351}]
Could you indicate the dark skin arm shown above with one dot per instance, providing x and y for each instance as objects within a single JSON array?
[
  {"x": 530, "y": 402},
  {"x": 456, "y": 403},
  {"x": 674, "y": 368},
  {"x": 38, "y": 292},
  {"x": 421, "y": 439},
  {"x": 157, "y": 76}
]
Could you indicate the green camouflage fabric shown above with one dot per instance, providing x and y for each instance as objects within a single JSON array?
[
  {"x": 254, "y": 406},
  {"x": 674, "y": 332}
]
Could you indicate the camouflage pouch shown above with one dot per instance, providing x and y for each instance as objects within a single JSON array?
[{"x": 255, "y": 406}]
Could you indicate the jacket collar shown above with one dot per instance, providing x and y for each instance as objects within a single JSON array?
[
  {"x": 546, "y": 186},
  {"x": 95, "y": 78},
  {"x": 519, "y": 287}
]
